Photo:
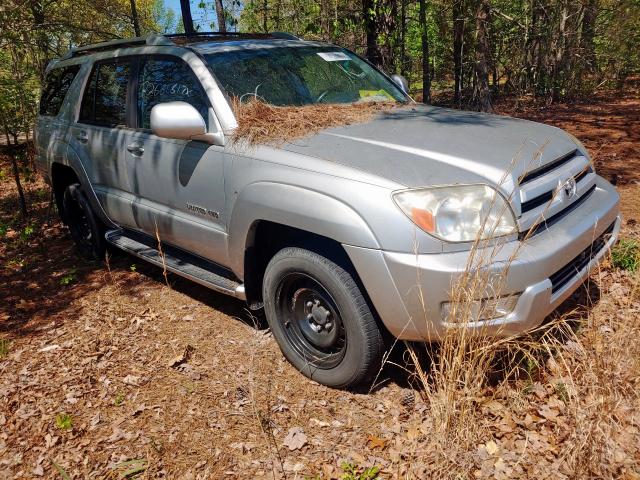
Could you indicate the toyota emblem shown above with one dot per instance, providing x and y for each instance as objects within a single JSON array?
[{"x": 569, "y": 187}]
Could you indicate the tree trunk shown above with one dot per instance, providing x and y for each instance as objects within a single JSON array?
[
  {"x": 265, "y": 17},
  {"x": 222, "y": 22},
  {"x": 16, "y": 176},
  {"x": 187, "y": 19},
  {"x": 458, "y": 41},
  {"x": 134, "y": 18},
  {"x": 424, "y": 39},
  {"x": 587, "y": 46},
  {"x": 371, "y": 31},
  {"x": 481, "y": 91},
  {"x": 42, "y": 40},
  {"x": 403, "y": 35}
]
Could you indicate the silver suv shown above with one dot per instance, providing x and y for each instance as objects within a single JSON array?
[{"x": 348, "y": 237}]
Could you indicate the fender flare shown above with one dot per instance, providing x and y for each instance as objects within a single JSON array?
[
  {"x": 295, "y": 207},
  {"x": 72, "y": 160}
]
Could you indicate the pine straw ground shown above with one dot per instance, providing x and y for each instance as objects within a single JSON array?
[{"x": 105, "y": 372}]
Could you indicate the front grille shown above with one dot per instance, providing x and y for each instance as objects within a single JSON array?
[
  {"x": 543, "y": 197},
  {"x": 538, "y": 172},
  {"x": 543, "y": 224},
  {"x": 547, "y": 196},
  {"x": 536, "y": 202},
  {"x": 571, "y": 269}
]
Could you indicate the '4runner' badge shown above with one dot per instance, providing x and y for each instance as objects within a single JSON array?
[{"x": 203, "y": 211}]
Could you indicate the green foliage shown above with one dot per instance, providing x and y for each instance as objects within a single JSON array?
[
  {"x": 625, "y": 255},
  {"x": 64, "y": 421},
  {"x": 69, "y": 277},
  {"x": 130, "y": 468},
  {"x": 562, "y": 392},
  {"x": 26, "y": 233},
  {"x": 4, "y": 347},
  {"x": 353, "y": 472},
  {"x": 4, "y": 228},
  {"x": 61, "y": 471},
  {"x": 119, "y": 400}
]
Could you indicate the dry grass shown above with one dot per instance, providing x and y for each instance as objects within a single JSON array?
[
  {"x": 585, "y": 373},
  {"x": 262, "y": 123}
]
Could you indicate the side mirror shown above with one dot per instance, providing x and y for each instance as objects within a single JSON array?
[
  {"x": 401, "y": 82},
  {"x": 177, "y": 120}
]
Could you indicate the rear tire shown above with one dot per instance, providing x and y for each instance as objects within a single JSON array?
[
  {"x": 320, "y": 319},
  {"x": 87, "y": 231}
]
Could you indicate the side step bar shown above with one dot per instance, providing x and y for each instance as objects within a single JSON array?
[{"x": 177, "y": 261}]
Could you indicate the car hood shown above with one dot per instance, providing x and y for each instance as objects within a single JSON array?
[{"x": 423, "y": 145}]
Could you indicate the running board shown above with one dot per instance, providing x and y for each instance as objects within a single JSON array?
[{"x": 177, "y": 261}]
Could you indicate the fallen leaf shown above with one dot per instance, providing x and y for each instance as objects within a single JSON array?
[
  {"x": 376, "y": 442},
  {"x": 495, "y": 407},
  {"x": 492, "y": 447},
  {"x": 182, "y": 358},
  {"x": 548, "y": 413},
  {"x": 295, "y": 439},
  {"x": 49, "y": 348},
  {"x": 131, "y": 380}
]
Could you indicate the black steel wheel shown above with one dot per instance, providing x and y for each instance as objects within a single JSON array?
[
  {"x": 320, "y": 319},
  {"x": 86, "y": 230},
  {"x": 311, "y": 320}
]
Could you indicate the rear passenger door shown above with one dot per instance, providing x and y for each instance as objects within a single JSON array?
[
  {"x": 178, "y": 185},
  {"x": 99, "y": 136},
  {"x": 50, "y": 131}
]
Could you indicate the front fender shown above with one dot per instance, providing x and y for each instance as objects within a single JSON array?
[{"x": 295, "y": 207}]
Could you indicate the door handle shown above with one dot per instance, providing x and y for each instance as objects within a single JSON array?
[
  {"x": 136, "y": 149},
  {"x": 82, "y": 137}
]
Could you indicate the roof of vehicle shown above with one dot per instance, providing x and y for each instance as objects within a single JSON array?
[
  {"x": 251, "y": 44},
  {"x": 204, "y": 42}
]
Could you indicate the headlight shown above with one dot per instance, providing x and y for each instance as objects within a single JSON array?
[{"x": 458, "y": 213}]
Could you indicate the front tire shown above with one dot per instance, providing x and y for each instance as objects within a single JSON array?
[
  {"x": 320, "y": 319},
  {"x": 87, "y": 231}
]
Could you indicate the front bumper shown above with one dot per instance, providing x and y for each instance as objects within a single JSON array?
[{"x": 408, "y": 290}]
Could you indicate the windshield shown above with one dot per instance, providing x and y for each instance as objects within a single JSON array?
[{"x": 301, "y": 76}]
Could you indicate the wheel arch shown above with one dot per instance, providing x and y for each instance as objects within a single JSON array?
[
  {"x": 70, "y": 170},
  {"x": 297, "y": 208}
]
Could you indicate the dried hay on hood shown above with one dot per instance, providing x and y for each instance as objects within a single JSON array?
[{"x": 263, "y": 123}]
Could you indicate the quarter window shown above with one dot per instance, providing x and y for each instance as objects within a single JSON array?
[
  {"x": 105, "y": 98},
  {"x": 167, "y": 80},
  {"x": 55, "y": 88}
]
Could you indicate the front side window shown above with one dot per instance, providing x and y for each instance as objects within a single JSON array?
[
  {"x": 55, "y": 88},
  {"x": 168, "y": 80},
  {"x": 105, "y": 98},
  {"x": 301, "y": 76}
]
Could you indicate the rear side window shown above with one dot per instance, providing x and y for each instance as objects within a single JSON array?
[
  {"x": 105, "y": 97},
  {"x": 168, "y": 80},
  {"x": 55, "y": 88}
]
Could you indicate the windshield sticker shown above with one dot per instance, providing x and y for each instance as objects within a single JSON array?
[
  {"x": 334, "y": 56},
  {"x": 375, "y": 94}
]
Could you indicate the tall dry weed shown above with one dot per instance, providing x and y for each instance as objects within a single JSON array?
[{"x": 595, "y": 374}]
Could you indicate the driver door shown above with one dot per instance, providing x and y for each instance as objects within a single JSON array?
[{"x": 177, "y": 185}]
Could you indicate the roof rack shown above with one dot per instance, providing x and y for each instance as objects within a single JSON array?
[
  {"x": 167, "y": 40},
  {"x": 118, "y": 43},
  {"x": 238, "y": 35}
]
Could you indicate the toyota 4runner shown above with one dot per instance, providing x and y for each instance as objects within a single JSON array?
[{"x": 344, "y": 236}]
